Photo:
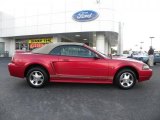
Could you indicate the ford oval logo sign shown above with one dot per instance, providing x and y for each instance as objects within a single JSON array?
[{"x": 85, "y": 15}]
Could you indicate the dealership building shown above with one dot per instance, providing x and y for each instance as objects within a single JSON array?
[{"x": 86, "y": 21}]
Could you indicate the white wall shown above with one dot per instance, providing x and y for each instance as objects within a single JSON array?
[
  {"x": 56, "y": 17},
  {"x": 9, "y": 45},
  {"x": 6, "y": 25}
]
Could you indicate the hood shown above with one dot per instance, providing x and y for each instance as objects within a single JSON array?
[{"x": 127, "y": 60}]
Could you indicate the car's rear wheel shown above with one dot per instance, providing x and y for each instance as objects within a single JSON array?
[
  {"x": 37, "y": 77},
  {"x": 125, "y": 79}
]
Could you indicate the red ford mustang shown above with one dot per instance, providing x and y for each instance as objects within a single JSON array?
[{"x": 76, "y": 63}]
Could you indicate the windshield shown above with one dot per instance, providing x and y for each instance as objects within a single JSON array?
[{"x": 102, "y": 54}]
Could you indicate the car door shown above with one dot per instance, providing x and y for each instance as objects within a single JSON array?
[{"x": 78, "y": 62}]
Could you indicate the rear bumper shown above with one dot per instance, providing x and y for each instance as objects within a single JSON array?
[
  {"x": 16, "y": 71},
  {"x": 145, "y": 75}
]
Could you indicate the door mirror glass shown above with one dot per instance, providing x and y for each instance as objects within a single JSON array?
[{"x": 96, "y": 57}]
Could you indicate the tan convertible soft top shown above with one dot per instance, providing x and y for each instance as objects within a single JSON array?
[{"x": 48, "y": 47}]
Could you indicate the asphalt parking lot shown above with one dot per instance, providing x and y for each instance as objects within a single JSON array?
[{"x": 64, "y": 101}]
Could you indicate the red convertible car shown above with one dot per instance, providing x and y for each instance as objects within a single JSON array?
[{"x": 76, "y": 63}]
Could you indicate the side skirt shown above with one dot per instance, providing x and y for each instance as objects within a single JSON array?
[{"x": 81, "y": 79}]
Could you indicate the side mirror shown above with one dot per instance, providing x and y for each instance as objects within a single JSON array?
[{"x": 96, "y": 57}]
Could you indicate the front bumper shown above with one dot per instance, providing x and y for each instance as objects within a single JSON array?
[
  {"x": 145, "y": 75},
  {"x": 15, "y": 70}
]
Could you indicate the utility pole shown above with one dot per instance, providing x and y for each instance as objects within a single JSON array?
[{"x": 151, "y": 40}]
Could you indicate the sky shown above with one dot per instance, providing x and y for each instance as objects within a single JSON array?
[{"x": 140, "y": 18}]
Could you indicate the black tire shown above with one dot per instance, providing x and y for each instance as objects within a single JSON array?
[
  {"x": 129, "y": 82},
  {"x": 37, "y": 77}
]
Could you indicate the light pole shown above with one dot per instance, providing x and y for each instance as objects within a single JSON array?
[
  {"x": 141, "y": 44},
  {"x": 151, "y": 40}
]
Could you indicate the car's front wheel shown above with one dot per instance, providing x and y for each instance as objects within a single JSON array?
[
  {"x": 37, "y": 77},
  {"x": 125, "y": 79}
]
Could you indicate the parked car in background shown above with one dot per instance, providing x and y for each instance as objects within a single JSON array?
[
  {"x": 144, "y": 57},
  {"x": 76, "y": 63},
  {"x": 141, "y": 56},
  {"x": 125, "y": 53},
  {"x": 156, "y": 58}
]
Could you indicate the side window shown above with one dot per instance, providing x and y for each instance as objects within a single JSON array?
[
  {"x": 84, "y": 52},
  {"x": 157, "y": 54},
  {"x": 73, "y": 50},
  {"x": 56, "y": 51}
]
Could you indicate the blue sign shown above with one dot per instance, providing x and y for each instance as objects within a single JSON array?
[{"x": 85, "y": 15}]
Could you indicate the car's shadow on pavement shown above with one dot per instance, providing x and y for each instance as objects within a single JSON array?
[
  {"x": 22, "y": 84},
  {"x": 52, "y": 85},
  {"x": 79, "y": 86}
]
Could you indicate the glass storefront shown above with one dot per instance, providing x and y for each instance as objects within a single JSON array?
[
  {"x": 30, "y": 44},
  {"x": 2, "y": 44}
]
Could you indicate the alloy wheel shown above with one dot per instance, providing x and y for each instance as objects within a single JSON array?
[
  {"x": 36, "y": 78},
  {"x": 126, "y": 80}
]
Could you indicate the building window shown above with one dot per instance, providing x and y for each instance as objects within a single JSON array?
[{"x": 31, "y": 44}]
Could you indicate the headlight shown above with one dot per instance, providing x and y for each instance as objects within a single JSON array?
[{"x": 145, "y": 67}]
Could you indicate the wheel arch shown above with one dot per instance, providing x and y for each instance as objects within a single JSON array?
[
  {"x": 35, "y": 65},
  {"x": 126, "y": 67}
]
